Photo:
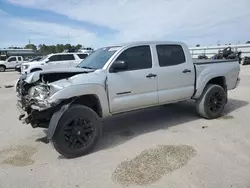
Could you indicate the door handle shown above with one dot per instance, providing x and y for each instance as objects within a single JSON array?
[
  {"x": 151, "y": 75},
  {"x": 186, "y": 71}
]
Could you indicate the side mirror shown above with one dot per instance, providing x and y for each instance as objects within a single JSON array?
[
  {"x": 46, "y": 61},
  {"x": 118, "y": 66}
]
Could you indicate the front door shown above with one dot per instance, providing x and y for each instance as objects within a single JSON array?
[
  {"x": 133, "y": 88},
  {"x": 12, "y": 62}
]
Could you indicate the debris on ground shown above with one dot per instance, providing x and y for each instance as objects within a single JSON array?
[
  {"x": 152, "y": 164},
  {"x": 8, "y": 86},
  {"x": 204, "y": 127}
]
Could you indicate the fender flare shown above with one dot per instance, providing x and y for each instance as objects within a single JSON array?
[{"x": 55, "y": 119}]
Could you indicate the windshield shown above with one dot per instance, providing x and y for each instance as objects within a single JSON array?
[
  {"x": 99, "y": 58},
  {"x": 44, "y": 57}
]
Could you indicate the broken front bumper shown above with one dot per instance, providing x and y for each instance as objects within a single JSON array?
[{"x": 23, "y": 114}]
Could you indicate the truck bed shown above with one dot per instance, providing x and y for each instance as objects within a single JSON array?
[
  {"x": 210, "y": 61},
  {"x": 206, "y": 68}
]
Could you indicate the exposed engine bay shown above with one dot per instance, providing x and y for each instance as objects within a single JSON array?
[{"x": 33, "y": 91}]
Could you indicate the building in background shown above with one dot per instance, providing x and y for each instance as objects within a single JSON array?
[{"x": 25, "y": 53}]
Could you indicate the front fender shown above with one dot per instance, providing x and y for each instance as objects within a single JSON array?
[{"x": 85, "y": 89}]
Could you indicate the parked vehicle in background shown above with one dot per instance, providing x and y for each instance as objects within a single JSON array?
[
  {"x": 228, "y": 53},
  {"x": 36, "y": 59},
  {"x": 18, "y": 67},
  {"x": 246, "y": 61},
  {"x": 59, "y": 60},
  {"x": 86, "y": 50},
  {"x": 11, "y": 63},
  {"x": 202, "y": 56},
  {"x": 71, "y": 102}
]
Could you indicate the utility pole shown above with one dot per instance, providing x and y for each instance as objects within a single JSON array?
[{"x": 68, "y": 38}]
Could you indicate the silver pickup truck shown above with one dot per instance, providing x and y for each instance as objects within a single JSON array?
[{"x": 70, "y": 103}]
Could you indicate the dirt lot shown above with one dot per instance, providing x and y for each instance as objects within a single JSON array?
[{"x": 159, "y": 147}]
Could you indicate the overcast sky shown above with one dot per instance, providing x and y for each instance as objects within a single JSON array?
[{"x": 102, "y": 22}]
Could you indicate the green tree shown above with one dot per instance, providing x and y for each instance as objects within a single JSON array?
[
  {"x": 31, "y": 46},
  {"x": 78, "y": 46},
  {"x": 197, "y": 45}
]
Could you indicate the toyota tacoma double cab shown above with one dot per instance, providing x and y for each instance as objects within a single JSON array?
[{"x": 70, "y": 103}]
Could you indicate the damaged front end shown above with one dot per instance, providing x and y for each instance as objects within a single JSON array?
[
  {"x": 34, "y": 92},
  {"x": 36, "y": 108}
]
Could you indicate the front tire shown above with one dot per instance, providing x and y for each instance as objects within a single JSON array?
[
  {"x": 2, "y": 68},
  {"x": 212, "y": 102},
  {"x": 77, "y": 131}
]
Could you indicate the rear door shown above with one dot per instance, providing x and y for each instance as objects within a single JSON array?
[
  {"x": 67, "y": 60},
  {"x": 133, "y": 88},
  {"x": 176, "y": 74}
]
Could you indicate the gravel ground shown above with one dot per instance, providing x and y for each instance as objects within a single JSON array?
[{"x": 161, "y": 147}]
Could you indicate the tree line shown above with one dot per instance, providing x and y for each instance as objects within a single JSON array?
[{"x": 48, "y": 49}]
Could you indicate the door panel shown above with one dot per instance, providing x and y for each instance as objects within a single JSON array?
[
  {"x": 176, "y": 76},
  {"x": 54, "y": 62},
  {"x": 131, "y": 88},
  {"x": 67, "y": 60},
  {"x": 12, "y": 62}
]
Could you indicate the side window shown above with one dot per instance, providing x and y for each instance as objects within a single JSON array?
[
  {"x": 170, "y": 55},
  {"x": 137, "y": 58},
  {"x": 19, "y": 59},
  {"x": 55, "y": 58},
  {"x": 68, "y": 57},
  {"x": 82, "y": 56},
  {"x": 12, "y": 59}
]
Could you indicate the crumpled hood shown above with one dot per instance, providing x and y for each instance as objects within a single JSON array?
[
  {"x": 96, "y": 77},
  {"x": 35, "y": 76}
]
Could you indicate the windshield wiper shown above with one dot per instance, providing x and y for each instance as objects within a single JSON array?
[{"x": 87, "y": 68}]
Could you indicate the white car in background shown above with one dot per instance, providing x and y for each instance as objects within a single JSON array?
[
  {"x": 11, "y": 63},
  {"x": 52, "y": 61}
]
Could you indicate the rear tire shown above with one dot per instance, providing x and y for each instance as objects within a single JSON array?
[
  {"x": 2, "y": 68},
  {"x": 77, "y": 131},
  {"x": 212, "y": 102}
]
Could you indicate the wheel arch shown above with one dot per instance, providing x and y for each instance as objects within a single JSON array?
[
  {"x": 94, "y": 97},
  {"x": 216, "y": 80}
]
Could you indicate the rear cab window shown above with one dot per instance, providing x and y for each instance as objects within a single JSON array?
[{"x": 170, "y": 55}]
